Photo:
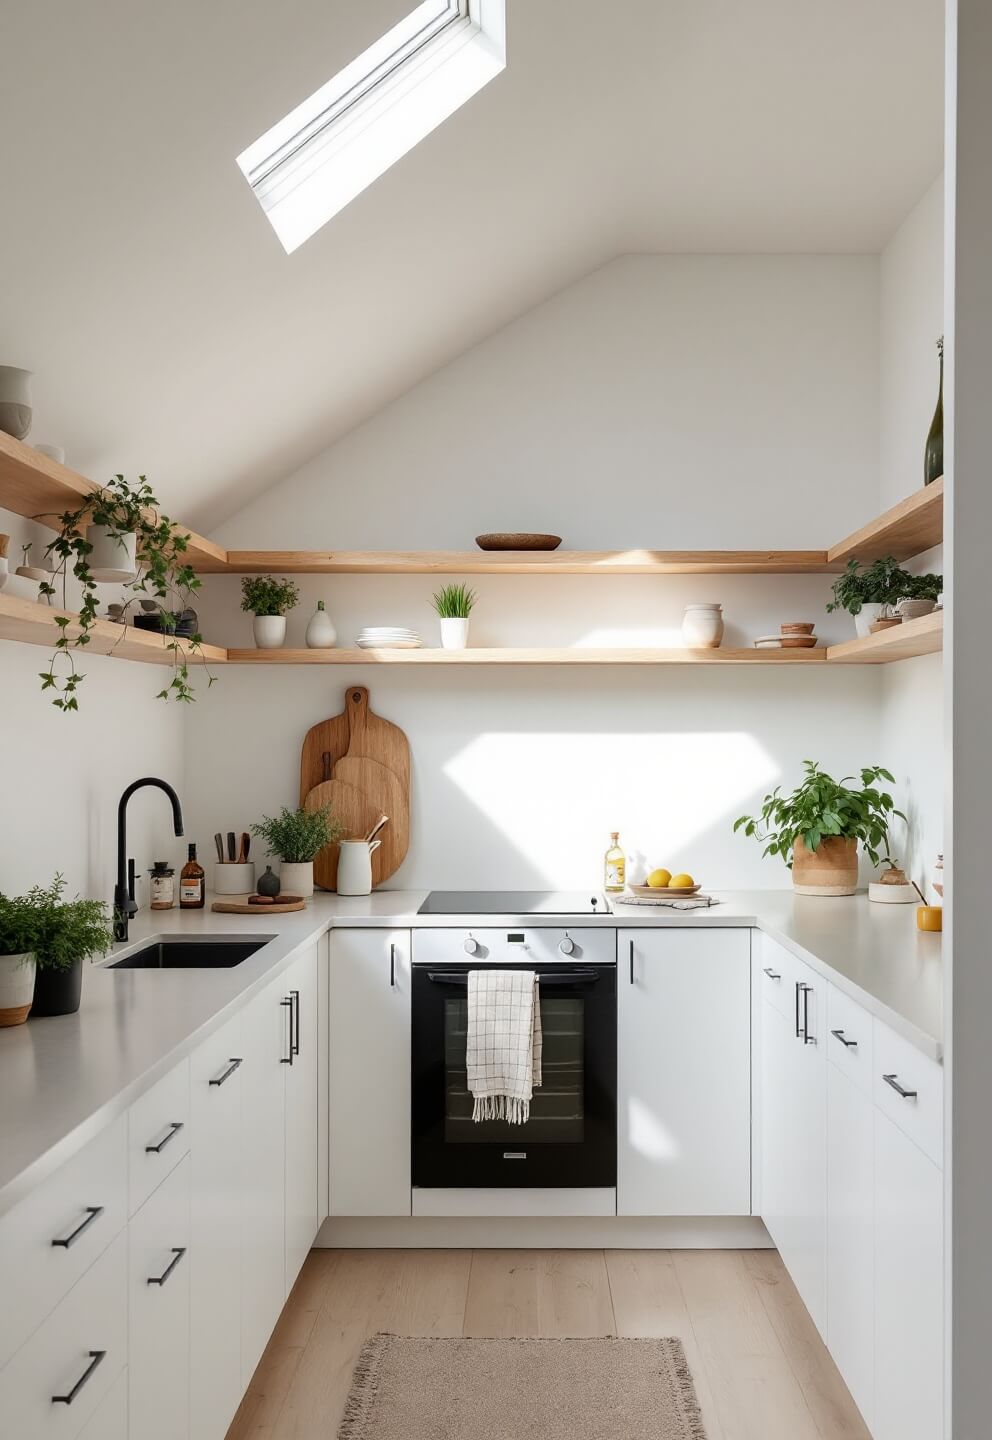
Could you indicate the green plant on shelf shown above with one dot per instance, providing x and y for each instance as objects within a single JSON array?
[
  {"x": 297, "y": 836},
  {"x": 265, "y": 595},
  {"x": 454, "y": 602},
  {"x": 883, "y": 582},
  {"x": 163, "y": 575},
  {"x": 821, "y": 807},
  {"x": 56, "y": 932}
]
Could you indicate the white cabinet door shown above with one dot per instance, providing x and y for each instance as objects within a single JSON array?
[
  {"x": 850, "y": 1237},
  {"x": 794, "y": 1136},
  {"x": 110, "y": 1421},
  {"x": 158, "y": 1311},
  {"x": 684, "y": 1057},
  {"x": 908, "y": 1289},
  {"x": 369, "y": 1065},
  {"x": 302, "y": 1221},
  {"x": 266, "y": 1029},
  {"x": 216, "y": 1191}
]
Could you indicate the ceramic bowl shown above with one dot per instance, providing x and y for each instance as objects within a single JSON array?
[
  {"x": 798, "y": 642},
  {"x": 913, "y": 609},
  {"x": 798, "y": 627}
]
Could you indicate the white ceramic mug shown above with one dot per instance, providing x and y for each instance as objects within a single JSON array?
[{"x": 355, "y": 866}]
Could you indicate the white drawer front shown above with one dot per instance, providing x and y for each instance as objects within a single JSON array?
[
  {"x": 778, "y": 971},
  {"x": 919, "y": 1110},
  {"x": 53, "y": 1236},
  {"x": 849, "y": 1038},
  {"x": 77, "y": 1353},
  {"x": 110, "y": 1421},
  {"x": 158, "y": 1134},
  {"x": 158, "y": 1312}
]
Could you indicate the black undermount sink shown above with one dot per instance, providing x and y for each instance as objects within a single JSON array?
[{"x": 182, "y": 954}]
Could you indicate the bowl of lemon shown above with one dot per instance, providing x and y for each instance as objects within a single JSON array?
[{"x": 663, "y": 883}]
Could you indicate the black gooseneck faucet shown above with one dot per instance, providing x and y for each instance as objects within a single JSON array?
[{"x": 124, "y": 904}]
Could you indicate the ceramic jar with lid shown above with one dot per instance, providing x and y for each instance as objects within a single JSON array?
[
  {"x": 163, "y": 890},
  {"x": 702, "y": 626}
]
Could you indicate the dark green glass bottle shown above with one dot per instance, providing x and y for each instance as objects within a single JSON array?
[{"x": 933, "y": 452}]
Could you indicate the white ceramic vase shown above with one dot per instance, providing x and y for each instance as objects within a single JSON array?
[
  {"x": 296, "y": 877},
  {"x": 321, "y": 634},
  {"x": 16, "y": 988},
  {"x": 269, "y": 631},
  {"x": 866, "y": 618},
  {"x": 454, "y": 633},
  {"x": 702, "y": 626},
  {"x": 112, "y": 558},
  {"x": 15, "y": 401}
]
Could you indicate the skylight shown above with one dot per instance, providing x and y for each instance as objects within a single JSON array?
[{"x": 349, "y": 132}]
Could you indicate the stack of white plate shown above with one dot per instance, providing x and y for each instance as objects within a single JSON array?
[{"x": 388, "y": 637}]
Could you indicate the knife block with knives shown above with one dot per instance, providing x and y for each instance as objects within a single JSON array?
[{"x": 359, "y": 764}]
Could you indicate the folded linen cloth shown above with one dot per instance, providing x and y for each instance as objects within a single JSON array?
[{"x": 503, "y": 1050}]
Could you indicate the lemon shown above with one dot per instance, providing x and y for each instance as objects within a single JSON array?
[
  {"x": 681, "y": 882},
  {"x": 658, "y": 879}
]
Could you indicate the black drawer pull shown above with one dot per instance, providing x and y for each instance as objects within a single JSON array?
[
  {"x": 288, "y": 1005},
  {"x": 847, "y": 1044},
  {"x": 392, "y": 967},
  {"x": 95, "y": 1357},
  {"x": 772, "y": 974},
  {"x": 92, "y": 1212},
  {"x": 892, "y": 1081},
  {"x": 177, "y": 1254},
  {"x": 219, "y": 1079},
  {"x": 174, "y": 1130},
  {"x": 294, "y": 996}
]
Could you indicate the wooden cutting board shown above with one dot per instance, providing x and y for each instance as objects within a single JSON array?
[
  {"x": 356, "y": 813},
  {"x": 357, "y": 731},
  {"x": 383, "y": 791},
  {"x": 238, "y": 905}
]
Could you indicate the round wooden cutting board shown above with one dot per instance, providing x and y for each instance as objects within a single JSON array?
[
  {"x": 383, "y": 791},
  {"x": 355, "y": 812}
]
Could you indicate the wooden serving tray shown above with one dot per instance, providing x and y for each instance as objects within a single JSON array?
[{"x": 239, "y": 905}]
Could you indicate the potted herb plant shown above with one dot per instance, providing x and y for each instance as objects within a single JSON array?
[
  {"x": 454, "y": 604},
  {"x": 268, "y": 599},
  {"x": 869, "y": 592},
  {"x": 118, "y": 533},
  {"x": 296, "y": 837},
  {"x": 18, "y": 927},
  {"x": 66, "y": 933},
  {"x": 816, "y": 829}
]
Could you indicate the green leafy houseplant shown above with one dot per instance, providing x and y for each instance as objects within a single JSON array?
[
  {"x": 265, "y": 595},
  {"x": 883, "y": 582},
  {"x": 922, "y": 587},
  {"x": 454, "y": 602},
  {"x": 18, "y": 925},
  {"x": 820, "y": 808},
  {"x": 64, "y": 931},
  {"x": 163, "y": 573},
  {"x": 297, "y": 836}
]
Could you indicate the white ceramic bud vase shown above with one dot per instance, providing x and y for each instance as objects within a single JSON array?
[
  {"x": 296, "y": 877},
  {"x": 702, "y": 626},
  {"x": 269, "y": 631},
  {"x": 112, "y": 557},
  {"x": 321, "y": 634},
  {"x": 454, "y": 633}
]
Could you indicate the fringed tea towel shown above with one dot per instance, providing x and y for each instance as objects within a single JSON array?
[{"x": 503, "y": 1051}]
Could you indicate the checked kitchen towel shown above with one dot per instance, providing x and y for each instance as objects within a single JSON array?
[{"x": 503, "y": 1051}]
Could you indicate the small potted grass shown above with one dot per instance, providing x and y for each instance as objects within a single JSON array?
[{"x": 454, "y": 604}]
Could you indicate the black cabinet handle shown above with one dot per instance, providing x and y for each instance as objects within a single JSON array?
[
  {"x": 174, "y": 1130},
  {"x": 631, "y": 962},
  {"x": 92, "y": 1212},
  {"x": 772, "y": 974},
  {"x": 392, "y": 967},
  {"x": 808, "y": 1039},
  {"x": 799, "y": 1028},
  {"x": 847, "y": 1044},
  {"x": 288, "y": 1004},
  {"x": 178, "y": 1251},
  {"x": 95, "y": 1358},
  {"x": 294, "y": 996},
  {"x": 219, "y": 1079},
  {"x": 892, "y": 1081}
]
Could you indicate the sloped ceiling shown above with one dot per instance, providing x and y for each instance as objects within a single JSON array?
[{"x": 171, "y": 335}]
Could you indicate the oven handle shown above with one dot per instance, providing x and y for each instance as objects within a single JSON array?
[{"x": 553, "y": 977}]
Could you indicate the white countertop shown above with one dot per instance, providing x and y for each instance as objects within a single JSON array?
[{"x": 63, "y": 1079}]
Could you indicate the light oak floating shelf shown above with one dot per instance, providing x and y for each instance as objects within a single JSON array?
[
  {"x": 914, "y": 525},
  {"x": 924, "y": 636},
  {"x": 34, "y": 623}
]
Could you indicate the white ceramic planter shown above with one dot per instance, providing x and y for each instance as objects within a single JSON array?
[
  {"x": 702, "y": 626},
  {"x": 16, "y": 988},
  {"x": 454, "y": 634},
  {"x": 234, "y": 879},
  {"x": 321, "y": 634},
  {"x": 54, "y": 452},
  {"x": 269, "y": 631},
  {"x": 112, "y": 558},
  {"x": 866, "y": 618},
  {"x": 296, "y": 877},
  {"x": 15, "y": 401}
]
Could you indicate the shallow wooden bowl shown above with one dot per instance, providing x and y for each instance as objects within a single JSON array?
[
  {"x": 662, "y": 892},
  {"x": 517, "y": 541}
]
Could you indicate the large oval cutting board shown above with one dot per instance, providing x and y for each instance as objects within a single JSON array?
[{"x": 356, "y": 731}]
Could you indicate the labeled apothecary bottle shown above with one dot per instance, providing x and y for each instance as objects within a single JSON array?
[
  {"x": 615, "y": 866},
  {"x": 163, "y": 889},
  {"x": 192, "y": 883}
]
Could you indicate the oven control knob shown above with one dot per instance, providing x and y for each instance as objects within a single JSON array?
[
  {"x": 471, "y": 946},
  {"x": 567, "y": 945}
]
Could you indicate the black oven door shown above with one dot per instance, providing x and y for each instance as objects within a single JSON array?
[{"x": 570, "y": 1139}]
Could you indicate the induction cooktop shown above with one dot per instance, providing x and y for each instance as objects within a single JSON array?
[{"x": 514, "y": 902}]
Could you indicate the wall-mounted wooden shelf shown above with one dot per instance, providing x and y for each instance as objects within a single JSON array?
[
  {"x": 914, "y": 525},
  {"x": 34, "y": 623},
  {"x": 924, "y": 636}
]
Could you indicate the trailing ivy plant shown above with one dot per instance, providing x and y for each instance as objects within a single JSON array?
[
  {"x": 820, "y": 808},
  {"x": 163, "y": 574}
]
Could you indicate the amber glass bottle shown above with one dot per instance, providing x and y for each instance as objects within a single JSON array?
[{"x": 192, "y": 883}]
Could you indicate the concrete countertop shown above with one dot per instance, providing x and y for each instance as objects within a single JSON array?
[{"x": 63, "y": 1079}]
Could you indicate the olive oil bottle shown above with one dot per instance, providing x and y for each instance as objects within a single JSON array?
[{"x": 615, "y": 874}]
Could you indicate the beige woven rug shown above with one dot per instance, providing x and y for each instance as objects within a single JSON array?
[{"x": 455, "y": 1389}]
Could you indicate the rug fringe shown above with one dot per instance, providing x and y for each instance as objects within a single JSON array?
[
  {"x": 684, "y": 1386},
  {"x": 364, "y": 1388}
]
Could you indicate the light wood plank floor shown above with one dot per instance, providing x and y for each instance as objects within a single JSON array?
[{"x": 761, "y": 1370}]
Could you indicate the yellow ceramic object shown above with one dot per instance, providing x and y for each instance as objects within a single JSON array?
[{"x": 929, "y": 917}]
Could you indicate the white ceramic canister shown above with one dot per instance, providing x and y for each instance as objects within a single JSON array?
[
  {"x": 321, "y": 634},
  {"x": 112, "y": 556},
  {"x": 269, "y": 631},
  {"x": 454, "y": 633},
  {"x": 296, "y": 877},
  {"x": 355, "y": 866},
  {"x": 702, "y": 626}
]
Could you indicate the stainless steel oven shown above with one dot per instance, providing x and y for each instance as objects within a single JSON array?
[{"x": 570, "y": 1138}]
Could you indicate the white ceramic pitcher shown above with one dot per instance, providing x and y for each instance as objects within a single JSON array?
[{"x": 355, "y": 866}]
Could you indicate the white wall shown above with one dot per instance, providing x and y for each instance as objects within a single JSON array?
[{"x": 664, "y": 401}]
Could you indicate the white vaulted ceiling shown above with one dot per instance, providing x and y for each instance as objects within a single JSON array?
[{"x": 170, "y": 333}]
